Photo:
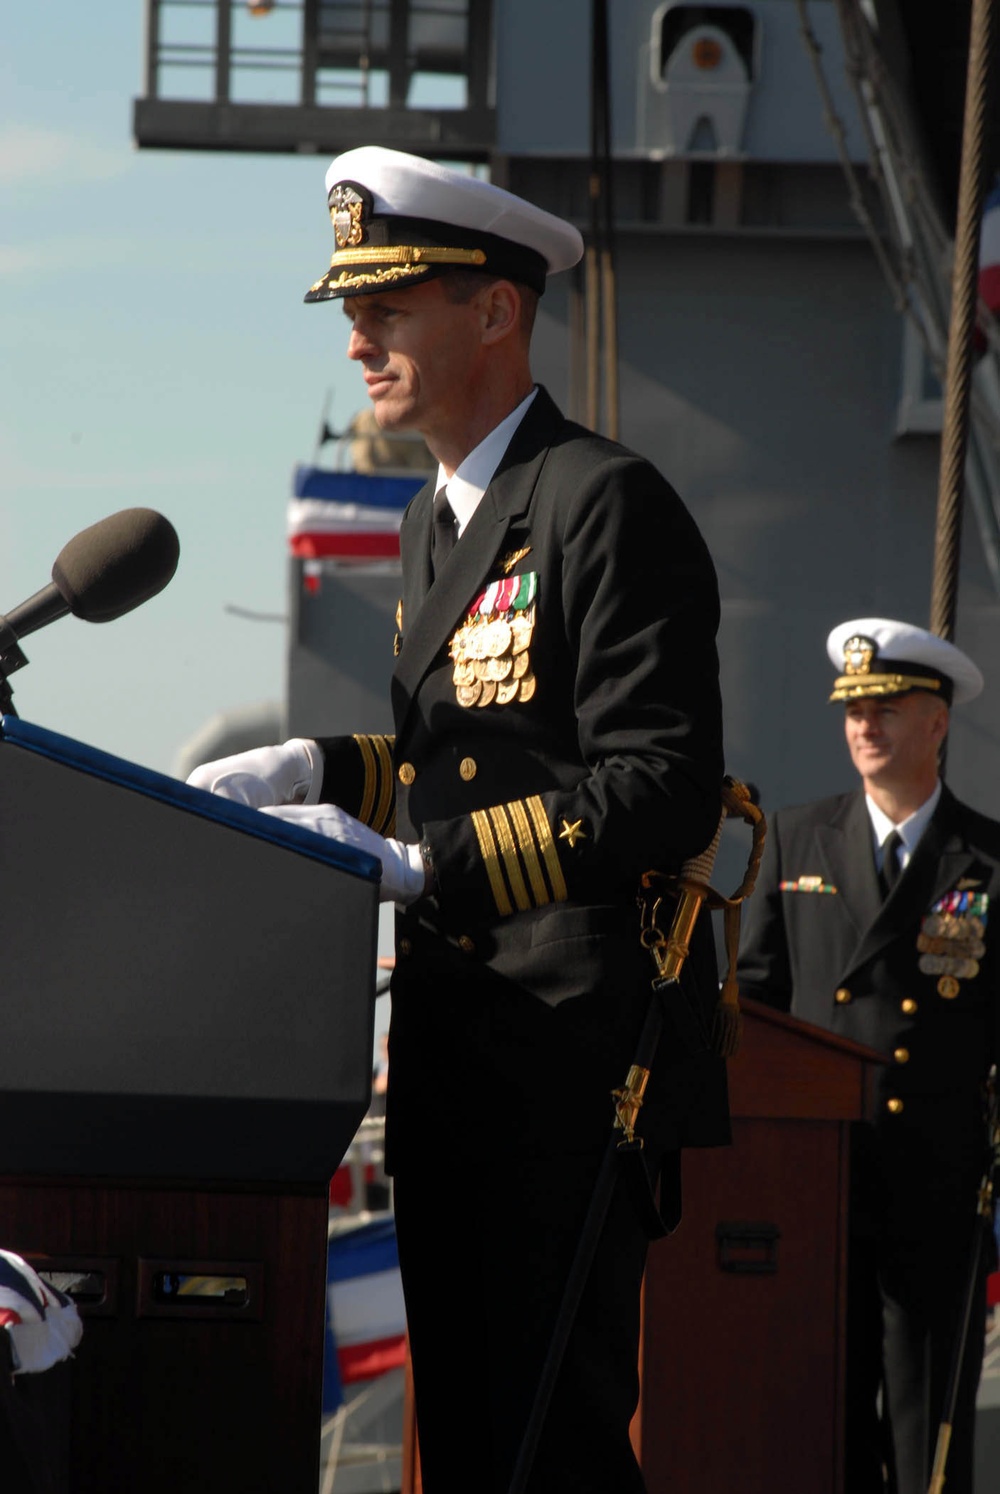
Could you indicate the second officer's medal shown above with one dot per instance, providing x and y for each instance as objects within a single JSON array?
[{"x": 951, "y": 940}]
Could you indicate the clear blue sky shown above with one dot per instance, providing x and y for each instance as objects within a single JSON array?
[{"x": 156, "y": 352}]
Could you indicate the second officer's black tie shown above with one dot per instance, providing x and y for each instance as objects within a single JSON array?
[
  {"x": 444, "y": 531},
  {"x": 891, "y": 868}
]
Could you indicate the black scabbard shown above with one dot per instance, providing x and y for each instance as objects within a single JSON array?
[{"x": 623, "y": 1162}]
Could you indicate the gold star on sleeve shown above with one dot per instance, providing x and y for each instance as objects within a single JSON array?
[{"x": 572, "y": 833}]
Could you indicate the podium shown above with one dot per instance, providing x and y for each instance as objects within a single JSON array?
[
  {"x": 188, "y": 1003},
  {"x": 744, "y": 1307}
]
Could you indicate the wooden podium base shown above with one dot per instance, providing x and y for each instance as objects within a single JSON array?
[
  {"x": 743, "y": 1362},
  {"x": 742, "y": 1355},
  {"x": 201, "y": 1363},
  {"x": 745, "y": 1305}
]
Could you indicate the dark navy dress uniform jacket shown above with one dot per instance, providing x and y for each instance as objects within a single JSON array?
[
  {"x": 820, "y": 942},
  {"x": 520, "y": 987}
]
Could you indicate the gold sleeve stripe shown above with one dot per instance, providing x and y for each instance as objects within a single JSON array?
[
  {"x": 488, "y": 850},
  {"x": 547, "y": 846},
  {"x": 526, "y": 841},
  {"x": 385, "y": 809},
  {"x": 378, "y": 799},
  {"x": 508, "y": 850},
  {"x": 368, "y": 761}
]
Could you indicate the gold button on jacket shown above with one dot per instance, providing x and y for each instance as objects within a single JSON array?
[
  {"x": 467, "y": 769},
  {"x": 407, "y": 773},
  {"x": 843, "y": 996}
]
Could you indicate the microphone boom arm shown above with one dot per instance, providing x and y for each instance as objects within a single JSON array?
[
  {"x": 12, "y": 657},
  {"x": 44, "y": 607}
]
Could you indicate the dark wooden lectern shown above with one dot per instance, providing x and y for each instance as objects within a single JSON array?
[
  {"x": 187, "y": 993},
  {"x": 744, "y": 1306}
]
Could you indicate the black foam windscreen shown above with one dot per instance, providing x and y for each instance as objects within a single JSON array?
[{"x": 116, "y": 564}]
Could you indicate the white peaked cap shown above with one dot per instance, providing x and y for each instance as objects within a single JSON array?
[
  {"x": 405, "y": 186},
  {"x": 399, "y": 219},
  {"x": 877, "y": 656}
]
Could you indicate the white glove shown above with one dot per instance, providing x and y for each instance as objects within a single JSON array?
[
  {"x": 289, "y": 774},
  {"x": 404, "y": 874}
]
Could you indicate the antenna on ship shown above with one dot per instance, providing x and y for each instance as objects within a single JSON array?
[{"x": 326, "y": 432}]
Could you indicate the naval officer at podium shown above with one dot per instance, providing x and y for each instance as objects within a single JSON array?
[
  {"x": 558, "y": 733},
  {"x": 872, "y": 917}
]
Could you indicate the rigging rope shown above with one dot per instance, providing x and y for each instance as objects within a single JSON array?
[{"x": 965, "y": 279}]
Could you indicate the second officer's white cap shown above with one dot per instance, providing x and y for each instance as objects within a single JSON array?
[{"x": 877, "y": 656}]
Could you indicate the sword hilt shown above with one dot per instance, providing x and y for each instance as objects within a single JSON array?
[{"x": 692, "y": 887}]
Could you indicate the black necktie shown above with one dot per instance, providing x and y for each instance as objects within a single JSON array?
[
  {"x": 444, "y": 531},
  {"x": 890, "y": 861}
]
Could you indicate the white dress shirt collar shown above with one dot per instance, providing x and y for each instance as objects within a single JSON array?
[
  {"x": 474, "y": 474},
  {"x": 909, "y": 830}
]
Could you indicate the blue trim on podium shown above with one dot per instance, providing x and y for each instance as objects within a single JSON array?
[{"x": 168, "y": 790}]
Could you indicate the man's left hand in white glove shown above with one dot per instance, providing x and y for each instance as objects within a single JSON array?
[{"x": 405, "y": 875}]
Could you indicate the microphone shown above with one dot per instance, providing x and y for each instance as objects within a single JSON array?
[
  {"x": 104, "y": 571},
  {"x": 100, "y": 574}
]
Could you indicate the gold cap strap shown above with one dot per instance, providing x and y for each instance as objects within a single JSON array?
[
  {"x": 861, "y": 687},
  {"x": 407, "y": 254}
]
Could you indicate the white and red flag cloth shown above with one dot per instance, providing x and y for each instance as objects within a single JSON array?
[
  {"x": 366, "y": 1319},
  {"x": 351, "y": 517},
  {"x": 42, "y": 1323},
  {"x": 989, "y": 259}
]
